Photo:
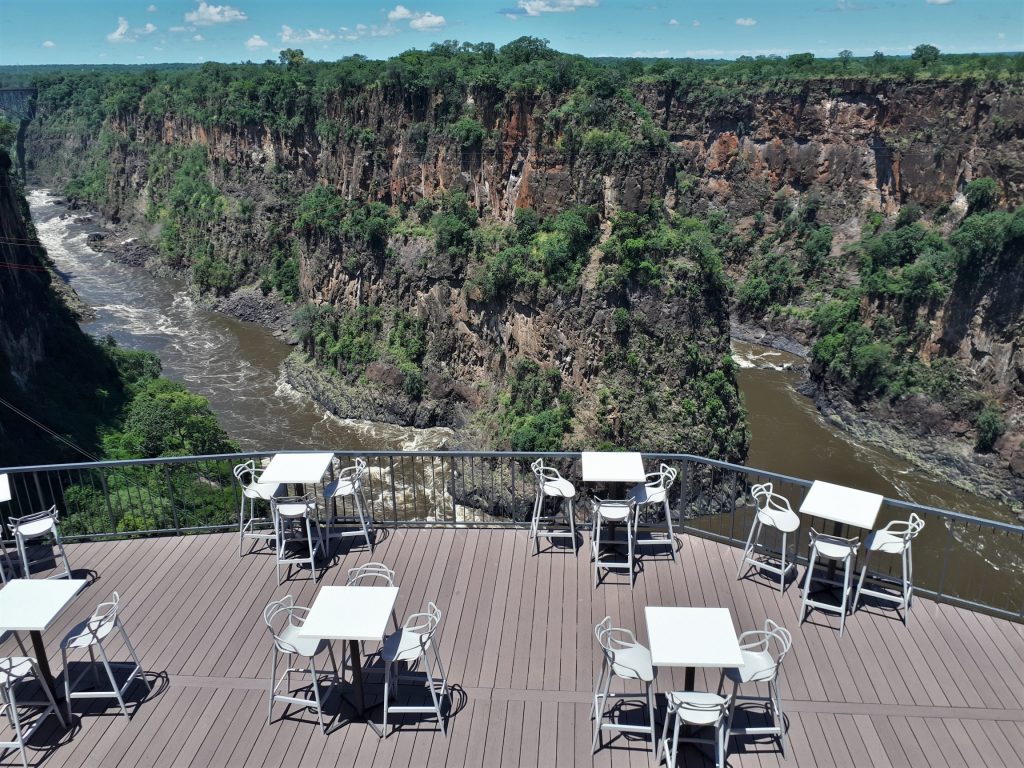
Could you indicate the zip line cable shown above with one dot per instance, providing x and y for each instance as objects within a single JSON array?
[{"x": 46, "y": 429}]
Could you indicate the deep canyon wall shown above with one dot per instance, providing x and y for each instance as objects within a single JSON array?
[{"x": 856, "y": 146}]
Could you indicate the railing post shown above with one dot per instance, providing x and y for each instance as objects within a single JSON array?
[
  {"x": 451, "y": 465},
  {"x": 394, "y": 499},
  {"x": 170, "y": 495},
  {"x": 732, "y": 506},
  {"x": 106, "y": 500},
  {"x": 945, "y": 560}
]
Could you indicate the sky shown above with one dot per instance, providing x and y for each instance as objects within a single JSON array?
[{"x": 141, "y": 32}]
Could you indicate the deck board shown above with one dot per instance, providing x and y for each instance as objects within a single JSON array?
[{"x": 517, "y": 639}]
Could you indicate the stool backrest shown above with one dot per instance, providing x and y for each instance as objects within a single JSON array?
[
  {"x": 51, "y": 514},
  {"x": 370, "y": 573},
  {"x": 290, "y": 503},
  {"x": 771, "y": 506},
  {"x": 354, "y": 472},
  {"x": 278, "y": 616},
  {"x": 246, "y": 473}
]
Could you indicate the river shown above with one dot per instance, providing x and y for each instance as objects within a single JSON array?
[{"x": 237, "y": 366}]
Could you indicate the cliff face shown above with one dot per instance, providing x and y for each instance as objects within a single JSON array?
[
  {"x": 49, "y": 369},
  {"x": 856, "y": 146},
  {"x": 863, "y": 145}
]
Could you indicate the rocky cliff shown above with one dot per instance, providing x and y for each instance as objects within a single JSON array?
[
  {"x": 52, "y": 376},
  {"x": 854, "y": 146}
]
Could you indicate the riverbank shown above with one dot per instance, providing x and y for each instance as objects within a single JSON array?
[
  {"x": 913, "y": 428},
  {"x": 125, "y": 244}
]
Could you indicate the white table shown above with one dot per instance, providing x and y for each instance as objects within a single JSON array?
[
  {"x": 297, "y": 468},
  {"x": 842, "y": 505},
  {"x": 32, "y": 605},
  {"x": 691, "y": 638},
  {"x": 354, "y": 614},
  {"x": 613, "y": 467}
]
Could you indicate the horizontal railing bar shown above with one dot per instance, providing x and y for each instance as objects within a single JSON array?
[{"x": 949, "y": 514}]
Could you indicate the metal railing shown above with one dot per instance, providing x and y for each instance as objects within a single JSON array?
[{"x": 959, "y": 559}]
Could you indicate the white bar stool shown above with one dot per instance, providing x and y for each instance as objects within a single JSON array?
[
  {"x": 763, "y": 652},
  {"x": 91, "y": 634},
  {"x": 895, "y": 539},
  {"x": 701, "y": 710},
  {"x": 773, "y": 511},
  {"x": 411, "y": 644},
  {"x": 551, "y": 485},
  {"x": 294, "y": 521},
  {"x": 254, "y": 526},
  {"x": 611, "y": 513},
  {"x": 349, "y": 484},
  {"x": 38, "y": 525},
  {"x": 842, "y": 552},
  {"x": 284, "y": 619},
  {"x": 15, "y": 670},
  {"x": 624, "y": 659},
  {"x": 654, "y": 493}
]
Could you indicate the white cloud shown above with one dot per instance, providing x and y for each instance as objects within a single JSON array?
[
  {"x": 537, "y": 7},
  {"x": 120, "y": 35},
  {"x": 148, "y": 29},
  {"x": 198, "y": 38},
  {"x": 746, "y": 22},
  {"x": 177, "y": 29},
  {"x": 49, "y": 44},
  {"x": 939, "y": 2},
  {"x": 289, "y": 35},
  {"x": 673, "y": 23},
  {"x": 427, "y": 21},
  {"x": 999, "y": 35},
  {"x": 421, "y": 21},
  {"x": 399, "y": 12},
  {"x": 662, "y": 54},
  {"x": 696, "y": 23},
  {"x": 512, "y": 16},
  {"x": 207, "y": 14},
  {"x": 152, "y": 8},
  {"x": 255, "y": 42}
]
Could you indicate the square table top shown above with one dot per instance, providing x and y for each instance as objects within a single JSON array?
[
  {"x": 692, "y": 637},
  {"x": 840, "y": 504},
  {"x": 31, "y": 605},
  {"x": 613, "y": 467},
  {"x": 350, "y": 613},
  {"x": 307, "y": 468}
]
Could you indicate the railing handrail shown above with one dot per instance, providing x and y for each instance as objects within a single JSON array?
[{"x": 242, "y": 455}]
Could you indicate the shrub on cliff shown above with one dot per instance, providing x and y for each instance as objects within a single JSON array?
[
  {"x": 534, "y": 411},
  {"x": 982, "y": 194},
  {"x": 990, "y": 427}
]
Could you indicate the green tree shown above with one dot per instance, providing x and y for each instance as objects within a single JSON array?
[
  {"x": 165, "y": 419},
  {"x": 292, "y": 57},
  {"x": 926, "y": 54},
  {"x": 844, "y": 56},
  {"x": 982, "y": 194}
]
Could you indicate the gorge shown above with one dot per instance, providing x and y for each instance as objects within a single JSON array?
[{"x": 541, "y": 250}]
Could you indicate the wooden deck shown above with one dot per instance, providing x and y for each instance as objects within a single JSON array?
[{"x": 518, "y": 639}]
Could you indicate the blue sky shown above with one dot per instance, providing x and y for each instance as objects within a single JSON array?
[{"x": 138, "y": 31}]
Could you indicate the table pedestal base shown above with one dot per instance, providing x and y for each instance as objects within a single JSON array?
[{"x": 44, "y": 665}]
